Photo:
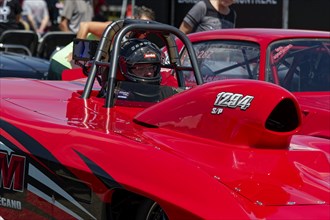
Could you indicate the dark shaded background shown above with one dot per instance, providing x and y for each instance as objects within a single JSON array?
[{"x": 303, "y": 14}]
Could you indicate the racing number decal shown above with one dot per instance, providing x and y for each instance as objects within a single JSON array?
[{"x": 231, "y": 100}]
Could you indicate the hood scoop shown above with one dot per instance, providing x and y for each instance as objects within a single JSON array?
[{"x": 241, "y": 112}]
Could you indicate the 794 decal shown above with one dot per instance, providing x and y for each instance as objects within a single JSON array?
[{"x": 231, "y": 100}]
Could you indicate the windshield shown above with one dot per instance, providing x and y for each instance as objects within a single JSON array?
[
  {"x": 224, "y": 60},
  {"x": 300, "y": 65}
]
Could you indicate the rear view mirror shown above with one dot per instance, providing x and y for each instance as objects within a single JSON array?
[{"x": 84, "y": 49}]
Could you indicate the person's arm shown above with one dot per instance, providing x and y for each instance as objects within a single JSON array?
[
  {"x": 185, "y": 27},
  {"x": 31, "y": 21},
  {"x": 44, "y": 22},
  {"x": 193, "y": 17},
  {"x": 94, "y": 27},
  {"x": 64, "y": 25},
  {"x": 66, "y": 15}
]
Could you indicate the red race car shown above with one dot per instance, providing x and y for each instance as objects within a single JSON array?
[
  {"x": 298, "y": 60},
  {"x": 107, "y": 148}
]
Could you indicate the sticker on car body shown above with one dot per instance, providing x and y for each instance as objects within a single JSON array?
[{"x": 231, "y": 100}]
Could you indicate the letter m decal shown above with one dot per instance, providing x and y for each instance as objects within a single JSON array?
[{"x": 12, "y": 171}]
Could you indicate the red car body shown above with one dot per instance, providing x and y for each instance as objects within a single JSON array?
[
  {"x": 220, "y": 150},
  {"x": 269, "y": 45}
]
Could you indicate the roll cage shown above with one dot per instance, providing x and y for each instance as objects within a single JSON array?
[
  {"x": 108, "y": 52},
  {"x": 300, "y": 65}
]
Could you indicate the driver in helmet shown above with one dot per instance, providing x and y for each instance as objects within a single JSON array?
[{"x": 140, "y": 62}]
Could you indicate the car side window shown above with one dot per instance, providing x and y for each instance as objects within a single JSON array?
[
  {"x": 301, "y": 65},
  {"x": 220, "y": 60}
]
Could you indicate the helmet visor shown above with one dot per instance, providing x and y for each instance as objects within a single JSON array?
[{"x": 144, "y": 69}]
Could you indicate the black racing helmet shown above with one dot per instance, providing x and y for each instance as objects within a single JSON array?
[{"x": 140, "y": 61}]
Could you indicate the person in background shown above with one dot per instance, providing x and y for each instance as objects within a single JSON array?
[
  {"x": 98, "y": 13},
  {"x": 62, "y": 60},
  {"x": 97, "y": 28},
  {"x": 209, "y": 15},
  {"x": 10, "y": 15},
  {"x": 74, "y": 12},
  {"x": 54, "y": 7},
  {"x": 37, "y": 15}
]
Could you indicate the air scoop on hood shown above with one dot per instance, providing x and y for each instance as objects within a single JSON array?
[{"x": 242, "y": 112}]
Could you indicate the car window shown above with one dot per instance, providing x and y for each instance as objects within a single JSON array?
[
  {"x": 224, "y": 60},
  {"x": 299, "y": 65}
]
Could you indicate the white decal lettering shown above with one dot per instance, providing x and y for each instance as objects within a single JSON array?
[
  {"x": 256, "y": 2},
  {"x": 10, "y": 203},
  {"x": 187, "y": 1},
  {"x": 231, "y": 100}
]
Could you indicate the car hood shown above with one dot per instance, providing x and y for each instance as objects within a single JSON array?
[
  {"x": 320, "y": 100},
  {"x": 38, "y": 89},
  {"x": 291, "y": 175},
  {"x": 267, "y": 165},
  {"x": 34, "y": 97},
  {"x": 38, "y": 95},
  {"x": 17, "y": 65},
  {"x": 316, "y": 111},
  {"x": 296, "y": 176}
]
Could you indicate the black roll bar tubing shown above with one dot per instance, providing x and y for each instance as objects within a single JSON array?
[{"x": 105, "y": 44}]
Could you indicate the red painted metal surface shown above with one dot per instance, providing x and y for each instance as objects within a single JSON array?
[
  {"x": 315, "y": 105},
  {"x": 228, "y": 149}
]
